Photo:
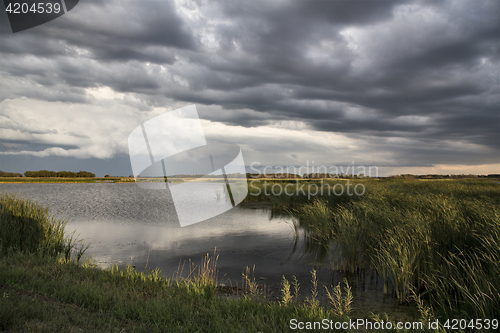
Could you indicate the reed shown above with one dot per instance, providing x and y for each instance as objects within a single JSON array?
[
  {"x": 313, "y": 300},
  {"x": 286, "y": 294},
  {"x": 342, "y": 304},
  {"x": 438, "y": 238},
  {"x": 296, "y": 287},
  {"x": 249, "y": 282},
  {"x": 318, "y": 219},
  {"x": 81, "y": 296},
  {"x": 27, "y": 226}
]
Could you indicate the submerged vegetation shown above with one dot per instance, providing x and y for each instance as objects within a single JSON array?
[{"x": 438, "y": 240}]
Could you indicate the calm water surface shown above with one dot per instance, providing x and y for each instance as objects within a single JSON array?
[{"x": 125, "y": 224}]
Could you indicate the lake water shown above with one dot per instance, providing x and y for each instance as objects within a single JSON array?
[{"x": 126, "y": 224}]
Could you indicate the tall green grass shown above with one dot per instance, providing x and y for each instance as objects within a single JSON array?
[
  {"x": 27, "y": 226},
  {"x": 30, "y": 267},
  {"x": 126, "y": 299},
  {"x": 135, "y": 301},
  {"x": 277, "y": 192},
  {"x": 440, "y": 239}
]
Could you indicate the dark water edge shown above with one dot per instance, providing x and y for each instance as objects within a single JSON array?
[{"x": 125, "y": 224}]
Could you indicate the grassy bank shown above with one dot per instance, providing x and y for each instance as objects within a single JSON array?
[
  {"x": 47, "y": 293},
  {"x": 438, "y": 240},
  {"x": 45, "y": 286},
  {"x": 26, "y": 226}
]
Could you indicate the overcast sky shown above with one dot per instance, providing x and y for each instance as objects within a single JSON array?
[{"x": 409, "y": 86}]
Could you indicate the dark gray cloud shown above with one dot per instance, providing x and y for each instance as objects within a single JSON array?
[
  {"x": 426, "y": 71},
  {"x": 108, "y": 31}
]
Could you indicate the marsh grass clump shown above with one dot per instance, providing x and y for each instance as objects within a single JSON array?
[
  {"x": 296, "y": 287},
  {"x": 286, "y": 194},
  {"x": 249, "y": 282},
  {"x": 206, "y": 273},
  {"x": 313, "y": 300},
  {"x": 342, "y": 304},
  {"x": 43, "y": 293},
  {"x": 469, "y": 278},
  {"x": 26, "y": 226},
  {"x": 286, "y": 294},
  {"x": 317, "y": 218},
  {"x": 440, "y": 239}
]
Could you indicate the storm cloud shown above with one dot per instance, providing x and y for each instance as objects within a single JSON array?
[{"x": 398, "y": 83}]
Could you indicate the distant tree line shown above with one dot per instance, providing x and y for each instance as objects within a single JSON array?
[
  {"x": 9, "y": 174},
  {"x": 64, "y": 174}
]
